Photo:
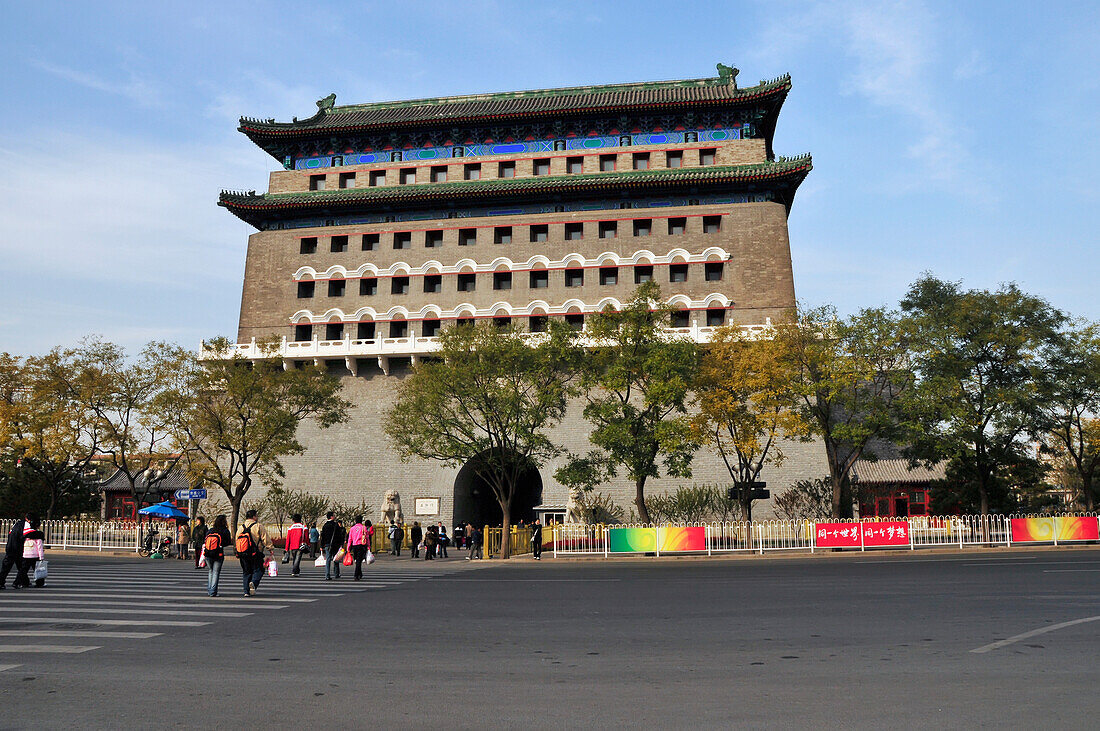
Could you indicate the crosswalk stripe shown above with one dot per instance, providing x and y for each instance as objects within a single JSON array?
[
  {"x": 124, "y": 611},
  {"x": 27, "y": 603},
  {"x": 186, "y": 595},
  {"x": 66, "y": 649},
  {"x": 8, "y": 667},
  {"x": 77, "y": 633},
  {"x": 104, "y": 622}
]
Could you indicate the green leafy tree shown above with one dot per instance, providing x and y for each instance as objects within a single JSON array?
[
  {"x": 234, "y": 419},
  {"x": 807, "y": 500},
  {"x": 979, "y": 355},
  {"x": 852, "y": 378},
  {"x": 121, "y": 397},
  {"x": 747, "y": 406},
  {"x": 1070, "y": 406},
  {"x": 489, "y": 399},
  {"x": 636, "y": 378}
]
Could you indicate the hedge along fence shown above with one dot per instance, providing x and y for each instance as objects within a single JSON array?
[{"x": 784, "y": 535}]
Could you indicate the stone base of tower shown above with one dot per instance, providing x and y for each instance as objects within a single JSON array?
[{"x": 356, "y": 462}]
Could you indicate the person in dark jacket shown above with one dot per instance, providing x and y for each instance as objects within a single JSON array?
[
  {"x": 536, "y": 540},
  {"x": 198, "y": 536},
  {"x": 13, "y": 551},
  {"x": 331, "y": 541},
  {"x": 416, "y": 534},
  {"x": 215, "y": 557},
  {"x": 431, "y": 540}
]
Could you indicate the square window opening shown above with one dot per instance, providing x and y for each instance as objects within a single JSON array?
[
  {"x": 370, "y": 242},
  {"x": 716, "y": 317},
  {"x": 433, "y": 283},
  {"x": 306, "y": 290},
  {"x": 399, "y": 285},
  {"x": 316, "y": 182},
  {"x": 338, "y": 243},
  {"x": 429, "y": 328},
  {"x": 506, "y": 169},
  {"x": 680, "y": 318},
  {"x": 541, "y": 166},
  {"x": 712, "y": 224},
  {"x": 706, "y": 157},
  {"x": 641, "y": 161},
  {"x": 408, "y": 176},
  {"x": 368, "y": 287},
  {"x": 678, "y": 273},
  {"x": 471, "y": 171},
  {"x": 377, "y": 177},
  {"x": 574, "y": 231},
  {"x": 540, "y": 279},
  {"x": 439, "y": 174},
  {"x": 539, "y": 233},
  {"x": 574, "y": 165},
  {"x": 334, "y": 331},
  {"x": 609, "y": 275},
  {"x": 347, "y": 180},
  {"x": 467, "y": 236},
  {"x": 674, "y": 159},
  {"x": 677, "y": 226},
  {"x": 502, "y": 280},
  {"x": 467, "y": 282},
  {"x": 402, "y": 240},
  {"x": 643, "y": 227},
  {"x": 537, "y": 323},
  {"x": 609, "y": 229},
  {"x": 303, "y": 333},
  {"x": 712, "y": 271},
  {"x": 574, "y": 277},
  {"x": 607, "y": 163},
  {"x": 502, "y": 235},
  {"x": 643, "y": 273},
  {"x": 309, "y": 245},
  {"x": 336, "y": 287},
  {"x": 433, "y": 239},
  {"x": 365, "y": 331}
]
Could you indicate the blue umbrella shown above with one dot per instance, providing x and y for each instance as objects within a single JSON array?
[{"x": 163, "y": 510}]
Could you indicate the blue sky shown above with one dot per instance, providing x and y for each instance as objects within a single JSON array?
[{"x": 958, "y": 138}]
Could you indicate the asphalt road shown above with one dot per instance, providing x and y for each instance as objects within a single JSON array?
[{"x": 871, "y": 641}]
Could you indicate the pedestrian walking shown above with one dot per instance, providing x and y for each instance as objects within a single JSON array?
[
  {"x": 397, "y": 535},
  {"x": 297, "y": 541},
  {"x": 198, "y": 537},
  {"x": 33, "y": 550},
  {"x": 431, "y": 540},
  {"x": 474, "y": 538},
  {"x": 333, "y": 537},
  {"x": 441, "y": 550},
  {"x": 536, "y": 540},
  {"x": 459, "y": 536},
  {"x": 416, "y": 535},
  {"x": 213, "y": 551},
  {"x": 358, "y": 540},
  {"x": 183, "y": 539},
  {"x": 13, "y": 551},
  {"x": 314, "y": 539},
  {"x": 252, "y": 545}
]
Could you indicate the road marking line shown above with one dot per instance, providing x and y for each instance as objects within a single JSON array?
[
  {"x": 123, "y": 611},
  {"x": 1033, "y": 633},
  {"x": 64, "y": 649},
  {"x": 104, "y": 622},
  {"x": 1070, "y": 571},
  {"x": 186, "y": 595},
  {"x": 77, "y": 633},
  {"x": 8, "y": 667},
  {"x": 242, "y": 604}
]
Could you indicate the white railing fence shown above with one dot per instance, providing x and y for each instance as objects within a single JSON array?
[{"x": 800, "y": 535}]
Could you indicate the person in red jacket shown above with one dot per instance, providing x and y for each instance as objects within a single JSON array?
[{"x": 297, "y": 542}]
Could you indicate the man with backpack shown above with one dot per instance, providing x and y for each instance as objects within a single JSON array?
[
  {"x": 332, "y": 539},
  {"x": 251, "y": 544}
]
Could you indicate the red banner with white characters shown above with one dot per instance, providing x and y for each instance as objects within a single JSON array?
[
  {"x": 836, "y": 535},
  {"x": 886, "y": 533}
]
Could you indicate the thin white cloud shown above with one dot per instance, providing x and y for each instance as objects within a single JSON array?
[
  {"x": 895, "y": 51},
  {"x": 134, "y": 88}
]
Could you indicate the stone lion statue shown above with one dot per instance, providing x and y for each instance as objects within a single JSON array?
[
  {"x": 391, "y": 508},
  {"x": 574, "y": 511}
]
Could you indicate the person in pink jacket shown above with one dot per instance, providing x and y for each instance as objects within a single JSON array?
[
  {"x": 33, "y": 551},
  {"x": 359, "y": 540}
]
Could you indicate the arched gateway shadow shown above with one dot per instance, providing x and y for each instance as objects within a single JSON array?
[{"x": 475, "y": 502}]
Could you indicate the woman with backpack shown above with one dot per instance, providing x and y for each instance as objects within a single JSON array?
[{"x": 213, "y": 547}]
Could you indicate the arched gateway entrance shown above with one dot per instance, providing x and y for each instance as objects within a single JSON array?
[{"x": 475, "y": 502}]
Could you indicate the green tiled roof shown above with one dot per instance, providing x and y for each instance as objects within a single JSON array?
[
  {"x": 514, "y": 104},
  {"x": 250, "y": 205}
]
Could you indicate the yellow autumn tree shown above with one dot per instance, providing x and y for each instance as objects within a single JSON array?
[{"x": 746, "y": 406}]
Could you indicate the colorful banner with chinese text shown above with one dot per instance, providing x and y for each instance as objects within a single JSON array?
[
  {"x": 836, "y": 535},
  {"x": 886, "y": 533}
]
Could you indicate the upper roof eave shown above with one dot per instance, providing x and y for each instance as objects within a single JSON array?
[{"x": 536, "y": 103}]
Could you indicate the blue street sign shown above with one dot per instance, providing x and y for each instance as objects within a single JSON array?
[{"x": 191, "y": 494}]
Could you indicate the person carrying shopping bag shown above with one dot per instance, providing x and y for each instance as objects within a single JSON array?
[
  {"x": 359, "y": 543},
  {"x": 33, "y": 552},
  {"x": 213, "y": 552}
]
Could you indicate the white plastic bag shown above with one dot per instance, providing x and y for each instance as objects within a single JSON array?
[
  {"x": 370, "y": 557},
  {"x": 41, "y": 570},
  {"x": 272, "y": 568},
  {"x": 202, "y": 558},
  {"x": 320, "y": 562}
]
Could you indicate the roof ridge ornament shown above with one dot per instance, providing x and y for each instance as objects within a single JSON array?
[
  {"x": 728, "y": 74},
  {"x": 326, "y": 104}
]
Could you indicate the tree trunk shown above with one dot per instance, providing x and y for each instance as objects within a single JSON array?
[
  {"x": 505, "y": 528},
  {"x": 744, "y": 499},
  {"x": 639, "y": 500},
  {"x": 1086, "y": 491},
  {"x": 235, "y": 512}
]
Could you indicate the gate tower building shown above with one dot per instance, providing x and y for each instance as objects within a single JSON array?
[{"x": 388, "y": 221}]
